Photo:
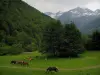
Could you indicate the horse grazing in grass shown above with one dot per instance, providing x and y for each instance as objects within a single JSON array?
[
  {"x": 13, "y": 62},
  {"x": 50, "y": 69},
  {"x": 30, "y": 58},
  {"x": 19, "y": 62},
  {"x": 25, "y": 63},
  {"x": 22, "y": 63}
]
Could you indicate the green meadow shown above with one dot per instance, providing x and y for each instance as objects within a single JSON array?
[{"x": 87, "y": 64}]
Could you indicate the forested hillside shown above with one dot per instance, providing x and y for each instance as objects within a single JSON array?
[
  {"x": 25, "y": 29},
  {"x": 20, "y": 26}
]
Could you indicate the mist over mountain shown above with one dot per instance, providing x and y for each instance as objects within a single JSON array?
[{"x": 82, "y": 17}]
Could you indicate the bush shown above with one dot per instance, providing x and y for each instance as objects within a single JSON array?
[
  {"x": 94, "y": 42},
  {"x": 11, "y": 50},
  {"x": 15, "y": 49},
  {"x": 29, "y": 48},
  {"x": 4, "y": 50}
]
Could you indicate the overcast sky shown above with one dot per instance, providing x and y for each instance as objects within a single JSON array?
[{"x": 62, "y": 5}]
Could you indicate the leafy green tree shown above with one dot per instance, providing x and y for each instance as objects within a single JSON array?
[
  {"x": 2, "y": 35},
  {"x": 11, "y": 50},
  {"x": 52, "y": 34},
  {"x": 71, "y": 44},
  {"x": 10, "y": 40},
  {"x": 24, "y": 39},
  {"x": 62, "y": 41},
  {"x": 94, "y": 42}
]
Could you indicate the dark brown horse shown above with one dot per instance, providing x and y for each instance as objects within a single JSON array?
[
  {"x": 25, "y": 63},
  {"x": 50, "y": 69},
  {"x": 13, "y": 62}
]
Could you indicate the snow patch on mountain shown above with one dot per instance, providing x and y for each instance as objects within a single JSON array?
[
  {"x": 76, "y": 12},
  {"x": 54, "y": 15}
]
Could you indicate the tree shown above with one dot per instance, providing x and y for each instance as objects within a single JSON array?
[
  {"x": 71, "y": 44},
  {"x": 23, "y": 39},
  {"x": 11, "y": 50},
  {"x": 62, "y": 41},
  {"x": 52, "y": 34},
  {"x": 94, "y": 42}
]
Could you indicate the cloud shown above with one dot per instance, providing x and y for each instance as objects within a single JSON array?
[
  {"x": 93, "y": 5},
  {"x": 61, "y": 5}
]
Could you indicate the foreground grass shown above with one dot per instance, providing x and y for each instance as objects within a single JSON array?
[
  {"x": 9, "y": 71},
  {"x": 87, "y": 59}
]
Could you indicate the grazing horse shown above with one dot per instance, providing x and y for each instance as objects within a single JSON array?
[
  {"x": 30, "y": 59},
  {"x": 25, "y": 63},
  {"x": 50, "y": 69},
  {"x": 20, "y": 62},
  {"x": 13, "y": 62}
]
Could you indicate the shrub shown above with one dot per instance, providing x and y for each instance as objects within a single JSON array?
[{"x": 11, "y": 50}]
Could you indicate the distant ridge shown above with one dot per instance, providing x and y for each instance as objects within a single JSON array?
[{"x": 82, "y": 17}]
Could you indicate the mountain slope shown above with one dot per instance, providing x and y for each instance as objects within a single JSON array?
[
  {"x": 19, "y": 11},
  {"x": 92, "y": 26},
  {"x": 20, "y": 23},
  {"x": 79, "y": 15},
  {"x": 84, "y": 18}
]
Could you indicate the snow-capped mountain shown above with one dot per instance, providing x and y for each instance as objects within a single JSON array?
[
  {"x": 59, "y": 14},
  {"x": 97, "y": 12},
  {"x": 79, "y": 15},
  {"x": 81, "y": 12},
  {"x": 76, "y": 12},
  {"x": 82, "y": 17},
  {"x": 50, "y": 14},
  {"x": 54, "y": 15}
]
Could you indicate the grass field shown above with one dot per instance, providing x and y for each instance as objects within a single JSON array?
[{"x": 85, "y": 65}]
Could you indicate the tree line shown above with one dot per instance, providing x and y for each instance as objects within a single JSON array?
[
  {"x": 54, "y": 39},
  {"x": 93, "y": 42},
  {"x": 62, "y": 41}
]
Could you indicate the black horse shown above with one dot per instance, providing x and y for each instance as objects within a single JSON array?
[
  {"x": 13, "y": 62},
  {"x": 50, "y": 69}
]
